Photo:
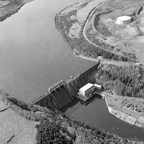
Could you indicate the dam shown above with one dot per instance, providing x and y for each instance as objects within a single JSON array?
[
  {"x": 63, "y": 96},
  {"x": 65, "y": 92},
  {"x": 56, "y": 97}
]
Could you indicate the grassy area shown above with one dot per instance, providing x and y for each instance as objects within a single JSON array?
[{"x": 15, "y": 128}]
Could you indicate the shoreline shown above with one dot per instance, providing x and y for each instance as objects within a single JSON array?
[
  {"x": 84, "y": 52},
  {"x": 102, "y": 61},
  {"x": 80, "y": 47},
  {"x": 70, "y": 129},
  {"x": 126, "y": 116},
  {"x": 14, "y": 8}
]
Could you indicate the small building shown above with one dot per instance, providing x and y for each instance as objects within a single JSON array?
[
  {"x": 98, "y": 86},
  {"x": 88, "y": 90}
]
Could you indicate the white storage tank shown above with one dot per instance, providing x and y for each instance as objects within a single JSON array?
[{"x": 123, "y": 20}]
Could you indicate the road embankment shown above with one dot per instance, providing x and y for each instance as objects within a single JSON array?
[{"x": 126, "y": 109}]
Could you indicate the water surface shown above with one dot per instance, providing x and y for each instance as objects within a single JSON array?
[
  {"x": 96, "y": 115},
  {"x": 33, "y": 56}
]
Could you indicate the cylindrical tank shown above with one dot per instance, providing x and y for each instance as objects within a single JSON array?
[{"x": 123, "y": 20}]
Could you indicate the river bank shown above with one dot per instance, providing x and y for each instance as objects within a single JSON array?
[
  {"x": 47, "y": 125},
  {"x": 127, "y": 109},
  {"x": 73, "y": 29},
  {"x": 72, "y": 24},
  {"x": 11, "y": 7},
  {"x": 101, "y": 60},
  {"x": 27, "y": 67}
]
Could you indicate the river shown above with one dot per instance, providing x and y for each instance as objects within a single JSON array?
[
  {"x": 96, "y": 114},
  {"x": 33, "y": 56}
]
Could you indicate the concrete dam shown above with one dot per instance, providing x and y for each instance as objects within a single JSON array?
[
  {"x": 56, "y": 97},
  {"x": 63, "y": 93}
]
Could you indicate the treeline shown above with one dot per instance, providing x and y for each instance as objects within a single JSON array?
[
  {"x": 87, "y": 49},
  {"x": 15, "y": 1},
  {"x": 93, "y": 36},
  {"x": 64, "y": 23},
  {"x": 122, "y": 80},
  {"x": 30, "y": 112},
  {"x": 62, "y": 130},
  {"x": 51, "y": 132}
]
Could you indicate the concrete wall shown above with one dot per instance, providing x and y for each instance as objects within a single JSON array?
[
  {"x": 47, "y": 100},
  {"x": 72, "y": 85}
]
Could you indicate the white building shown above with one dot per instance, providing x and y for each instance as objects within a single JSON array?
[{"x": 88, "y": 90}]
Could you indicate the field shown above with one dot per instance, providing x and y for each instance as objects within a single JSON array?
[{"x": 14, "y": 128}]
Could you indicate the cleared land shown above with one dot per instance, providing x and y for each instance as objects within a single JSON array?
[
  {"x": 14, "y": 128},
  {"x": 128, "y": 109},
  {"x": 94, "y": 33}
]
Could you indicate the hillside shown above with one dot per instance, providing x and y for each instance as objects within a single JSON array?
[{"x": 23, "y": 124}]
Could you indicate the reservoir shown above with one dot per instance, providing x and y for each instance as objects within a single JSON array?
[
  {"x": 33, "y": 56},
  {"x": 96, "y": 115}
]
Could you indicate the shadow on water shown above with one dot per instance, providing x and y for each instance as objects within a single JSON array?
[
  {"x": 74, "y": 102},
  {"x": 95, "y": 113},
  {"x": 90, "y": 100}
]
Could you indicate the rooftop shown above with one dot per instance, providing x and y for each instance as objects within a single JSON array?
[
  {"x": 123, "y": 20},
  {"x": 86, "y": 87}
]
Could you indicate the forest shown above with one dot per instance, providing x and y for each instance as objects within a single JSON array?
[{"x": 122, "y": 80}]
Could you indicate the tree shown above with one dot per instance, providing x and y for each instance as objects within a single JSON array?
[
  {"x": 141, "y": 93},
  {"x": 128, "y": 90},
  {"x": 119, "y": 88},
  {"x": 109, "y": 85},
  {"x": 14, "y": 1}
]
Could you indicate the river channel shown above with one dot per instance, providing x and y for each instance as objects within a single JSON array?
[{"x": 33, "y": 56}]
